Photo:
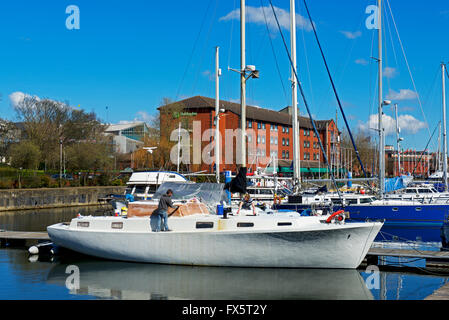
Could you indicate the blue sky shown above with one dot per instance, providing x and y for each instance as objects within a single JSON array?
[{"x": 129, "y": 55}]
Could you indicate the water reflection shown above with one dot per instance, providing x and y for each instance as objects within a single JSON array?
[
  {"x": 122, "y": 280},
  {"x": 38, "y": 220}
]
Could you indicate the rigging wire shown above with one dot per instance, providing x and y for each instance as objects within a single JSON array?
[
  {"x": 274, "y": 52},
  {"x": 204, "y": 51},
  {"x": 307, "y": 60},
  {"x": 306, "y": 104},
  {"x": 427, "y": 145},
  {"x": 193, "y": 51},
  {"x": 334, "y": 89},
  {"x": 229, "y": 88},
  {"x": 408, "y": 66}
]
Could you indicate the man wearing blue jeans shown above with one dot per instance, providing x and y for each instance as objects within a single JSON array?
[{"x": 164, "y": 203}]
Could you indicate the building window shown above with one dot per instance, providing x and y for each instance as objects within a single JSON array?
[
  {"x": 250, "y": 124},
  {"x": 263, "y": 126},
  {"x": 283, "y": 154},
  {"x": 287, "y": 155},
  {"x": 287, "y": 130},
  {"x": 283, "y": 141},
  {"x": 259, "y": 125},
  {"x": 306, "y": 144},
  {"x": 275, "y": 141},
  {"x": 263, "y": 140},
  {"x": 258, "y": 139},
  {"x": 249, "y": 138},
  {"x": 283, "y": 129},
  {"x": 287, "y": 142}
]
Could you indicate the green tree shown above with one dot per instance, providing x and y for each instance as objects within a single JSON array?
[
  {"x": 25, "y": 154},
  {"x": 48, "y": 123}
]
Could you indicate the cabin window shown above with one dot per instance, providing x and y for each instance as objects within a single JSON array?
[
  {"x": 395, "y": 209},
  {"x": 418, "y": 209},
  {"x": 140, "y": 189},
  {"x": 204, "y": 225},
  {"x": 83, "y": 224},
  {"x": 284, "y": 224},
  {"x": 117, "y": 225},
  {"x": 365, "y": 200},
  {"x": 351, "y": 201},
  {"x": 245, "y": 224},
  {"x": 172, "y": 176}
]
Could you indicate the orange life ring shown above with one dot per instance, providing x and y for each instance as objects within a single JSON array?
[{"x": 335, "y": 214}]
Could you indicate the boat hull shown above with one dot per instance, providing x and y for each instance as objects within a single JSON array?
[
  {"x": 330, "y": 246},
  {"x": 409, "y": 222}
]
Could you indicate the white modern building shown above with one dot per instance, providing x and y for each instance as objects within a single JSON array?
[{"x": 127, "y": 137}]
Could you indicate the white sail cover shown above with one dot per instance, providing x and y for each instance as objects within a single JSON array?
[{"x": 210, "y": 194}]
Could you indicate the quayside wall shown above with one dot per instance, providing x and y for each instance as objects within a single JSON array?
[{"x": 27, "y": 199}]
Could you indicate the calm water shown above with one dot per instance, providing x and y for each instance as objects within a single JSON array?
[{"x": 26, "y": 278}]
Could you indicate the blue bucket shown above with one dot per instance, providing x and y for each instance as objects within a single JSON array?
[{"x": 220, "y": 210}]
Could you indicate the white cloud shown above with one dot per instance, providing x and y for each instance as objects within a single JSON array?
[
  {"x": 144, "y": 116},
  {"x": 390, "y": 72},
  {"x": 209, "y": 75},
  {"x": 17, "y": 97},
  {"x": 362, "y": 62},
  {"x": 403, "y": 94},
  {"x": 351, "y": 35},
  {"x": 407, "y": 123},
  {"x": 256, "y": 15},
  {"x": 141, "y": 116}
]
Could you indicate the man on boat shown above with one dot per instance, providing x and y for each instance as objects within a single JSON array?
[
  {"x": 246, "y": 204},
  {"x": 164, "y": 203}
]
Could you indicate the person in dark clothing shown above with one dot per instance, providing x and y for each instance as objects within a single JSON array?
[
  {"x": 164, "y": 203},
  {"x": 246, "y": 204}
]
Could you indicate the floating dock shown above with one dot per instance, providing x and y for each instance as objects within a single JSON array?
[
  {"x": 22, "y": 237},
  {"x": 432, "y": 257}
]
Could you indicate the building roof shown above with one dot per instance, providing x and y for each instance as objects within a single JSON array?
[
  {"x": 123, "y": 126},
  {"x": 252, "y": 113}
]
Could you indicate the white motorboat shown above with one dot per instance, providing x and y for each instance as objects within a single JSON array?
[
  {"x": 144, "y": 184},
  {"x": 424, "y": 193}
]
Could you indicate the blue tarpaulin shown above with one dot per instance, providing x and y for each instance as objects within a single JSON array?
[{"x": 392, "y": 184}]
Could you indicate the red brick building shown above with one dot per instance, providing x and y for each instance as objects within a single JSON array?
[
  {"x": 420, "y": 163},
  {"x": 269, "y": 133}
]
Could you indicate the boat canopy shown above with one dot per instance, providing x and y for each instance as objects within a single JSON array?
[
  {"x": 210, "y": 194},
  {"x": 392, "y": 184}
]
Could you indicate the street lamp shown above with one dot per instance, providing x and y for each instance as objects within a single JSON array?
[{"x": 248, "y": 72}]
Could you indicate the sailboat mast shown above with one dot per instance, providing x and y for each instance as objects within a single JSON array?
[
  {"x": 443, "y": 69},
  {"x": 242, "y": 83},
  {"x": 217, "y": 112},
  {"x": 397, "y": 139},
  {"x": 438, "y": 164},
  {"x": 381, "y": 129},
  {"x": 295, "y": 126}
]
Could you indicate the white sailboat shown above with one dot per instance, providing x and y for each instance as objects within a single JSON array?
[
  {"x": 209, "y": 240},
  {"x": 199, "y": 237}
]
